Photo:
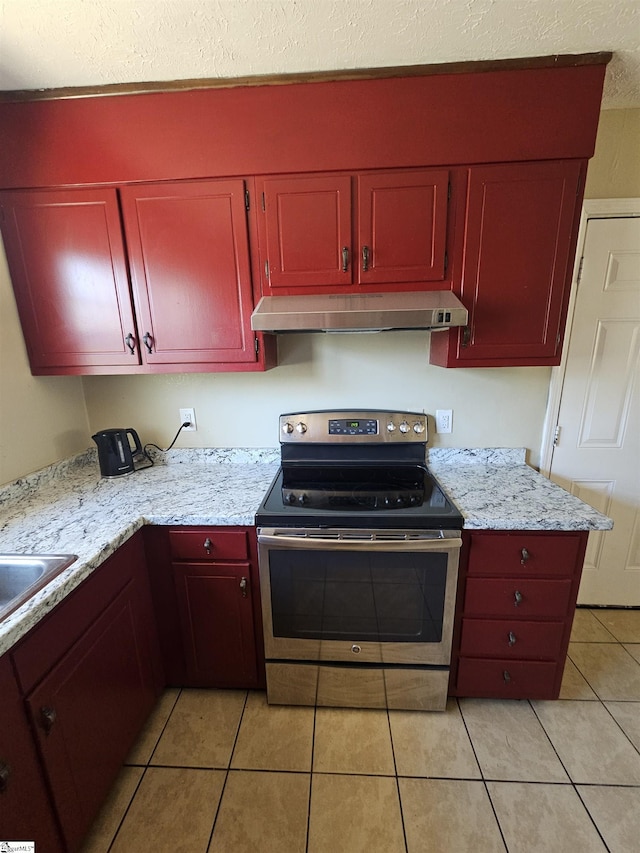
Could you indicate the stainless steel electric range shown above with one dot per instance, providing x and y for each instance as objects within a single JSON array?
[{"x": 358, "y": 551}]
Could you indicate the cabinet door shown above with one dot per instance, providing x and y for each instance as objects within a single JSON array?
[
  {"x": 68, "y": 267},
  {"x": 519, "y": 240},
  {"x": 402, "y": 226},
  {"x": 25, "y": 811},
  {"x": 88, "y": 711},
  {"x": 189, "y": 252},
  {"x": 306, "y": 230},
  {"x": 216, "y": 616}
]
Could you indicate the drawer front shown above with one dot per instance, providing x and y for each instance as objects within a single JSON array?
[
  {"x": 511, "y": 638},
  {"x": 516, "y": 598},
  {"x": 203, "y": 544},
  {"x": 506, "y": 679},
  {"x": 523, "y": 554}
]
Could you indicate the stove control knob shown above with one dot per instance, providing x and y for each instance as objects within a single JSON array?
[
  {"x": 287, "y": 428},
  {"x": 391, "y": 427},
  {"x": 400, "y": 500},
  {"x": 404, "y": 427},
  {"x": 302, "y": 498},
  {"x": 418, "y": 427},
  {"x": 301, "y": 428},
  {"x": 289, "y": 498}
]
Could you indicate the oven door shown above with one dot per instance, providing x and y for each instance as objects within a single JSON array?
[{"x": 358, "y": 596}]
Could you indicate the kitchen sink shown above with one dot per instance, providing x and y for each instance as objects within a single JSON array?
[{"x": 22, "y": 575}]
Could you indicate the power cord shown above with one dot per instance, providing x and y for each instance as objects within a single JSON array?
[{"x": 163, "y": 449}]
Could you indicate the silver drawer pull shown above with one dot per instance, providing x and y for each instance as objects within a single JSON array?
[
  {"x": 243, "y": 587},
  {"x": 517, "y": 598},
  {"x": 208, "y": 545},
  {"x": 525, "y": 556},
  {"x": 512, "y": 638},
  {"x": 506, "y": 676}
]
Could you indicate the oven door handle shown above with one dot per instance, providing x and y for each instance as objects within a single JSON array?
[{"x": 309, "y": 543}]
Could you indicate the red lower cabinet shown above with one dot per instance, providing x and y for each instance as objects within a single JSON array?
[
  {"x": 25, "y": 811},
  {"x": 215, "y": 579},
  {"x": 517, "y": 599},
  {"x": 91, "y": 675}
]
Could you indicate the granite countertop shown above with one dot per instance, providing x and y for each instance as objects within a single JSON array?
[{"x": 69, "y": 509}]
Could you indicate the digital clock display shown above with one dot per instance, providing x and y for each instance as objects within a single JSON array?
[{"x": 342, "y": 426}]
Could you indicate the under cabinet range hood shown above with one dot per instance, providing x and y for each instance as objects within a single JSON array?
[{"x": 359, "y": 312}]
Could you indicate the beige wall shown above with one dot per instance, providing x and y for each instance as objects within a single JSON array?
[
  {"x": 44, "y": 419},
  {"x": 614, "y": 170}
]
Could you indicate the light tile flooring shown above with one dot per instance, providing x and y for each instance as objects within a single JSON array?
[{"x": 222, "y": 772}]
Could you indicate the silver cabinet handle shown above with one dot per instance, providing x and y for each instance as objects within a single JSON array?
[
  {"x": 243, "y": 587},
  {"x": 345, "y": 259},
  {"x": 130, "y": 341},
  {"x": 48, "y": 717},
  {"x": 512, "y": 638},
  {"x": 5, "y": 776},
  {"x": 517, "y": 598},
  {"x": 525, "y": 555},
  {"x": 208, "y": 545},
  {"x": 148, "y": 342},
  {"x": 365, "y": 258},
  {"x": 506, "y": 676}
]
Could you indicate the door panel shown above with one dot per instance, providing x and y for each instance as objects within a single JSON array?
[
  {"x": 190, "y": 267},
  {"x": 68, "y": 267},
  {"x": 597, "y": 456},
  {"x": 402, "y": 226},
  {"x": 308, "y": 225},
  {"x": 516, "y": 262}
]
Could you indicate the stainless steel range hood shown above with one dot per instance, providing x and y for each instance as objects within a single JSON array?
[{"x": 360, "y": 312}]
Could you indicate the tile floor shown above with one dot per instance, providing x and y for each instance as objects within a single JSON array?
[{"x": 222, "y": 772}]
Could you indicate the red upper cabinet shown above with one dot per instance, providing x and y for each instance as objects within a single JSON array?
[
  {"x": 342, "y": 233},
  {"x": 69, "y": 271},
  {"x": 402, "y": 226},
  {"x": 189, "y": 253},
  {"x": 518, "y": 248},
  {"x": 306, "y": 231}
]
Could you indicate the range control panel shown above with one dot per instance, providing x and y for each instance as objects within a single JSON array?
[{"x": 357, "y": 426}]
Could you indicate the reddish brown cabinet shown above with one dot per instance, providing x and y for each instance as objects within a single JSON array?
[
  {"x": 518, "y": 593},
  {"x": 191, "y": 285},
  {"x": 189, "y": 254},
  {"x": 519, "y": 238},
  {"x": 69, "y": 270},
  {"x": 218, "y": 606},
  {"x": 91, "y": 675},
  {"x": 25, "y": 810},
  {"x": 323, "y": 232}
]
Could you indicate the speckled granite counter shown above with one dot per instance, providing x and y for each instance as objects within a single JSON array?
[
  {"x": 69, "y": 508},
  {"x": 495, "y": 490}
]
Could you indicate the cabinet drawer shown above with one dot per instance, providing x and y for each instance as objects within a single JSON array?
[
  {"x": 511, "y": 638},
  {"x": 203, "y": 544},
  {"x": 516, "y": 598},
  {"x": 506, "y": 679},
  {"x": 523, "y": 554}
]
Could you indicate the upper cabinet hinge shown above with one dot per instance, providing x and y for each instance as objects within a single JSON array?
[
  {"x": 264, "y": 206},
  {"x": 580, "y": 271},
  {"x": 556, "y": 436},
  {"x": 247, "y": 200}
]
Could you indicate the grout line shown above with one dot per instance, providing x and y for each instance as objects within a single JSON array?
[
  {"x": 313, "y": 746},
  {"x": 227, "y": 770},
  {"x": 395, "y": 767}
]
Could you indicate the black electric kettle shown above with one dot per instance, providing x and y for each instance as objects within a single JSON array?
[{"x": 115, "y": 453}]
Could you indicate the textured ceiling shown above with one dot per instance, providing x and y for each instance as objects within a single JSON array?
[{"x": 54, "y": 43}]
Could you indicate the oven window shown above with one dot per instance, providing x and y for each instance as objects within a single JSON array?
[{"x": 374, "y": 596}]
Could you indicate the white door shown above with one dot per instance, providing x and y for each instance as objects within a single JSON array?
[{"x": 597, "y": 456}]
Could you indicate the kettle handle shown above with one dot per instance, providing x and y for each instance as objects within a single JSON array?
[{"x": 136, "y": 440}]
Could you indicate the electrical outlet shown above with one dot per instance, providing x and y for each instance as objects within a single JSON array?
[
  {"x": 190, "y": 416},
  {"x": 444, "y": 420}
]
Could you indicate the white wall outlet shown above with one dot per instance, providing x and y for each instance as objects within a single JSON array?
[
  {"x": 444, "y": 420},
  {"x": 188, "y": 415}
]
